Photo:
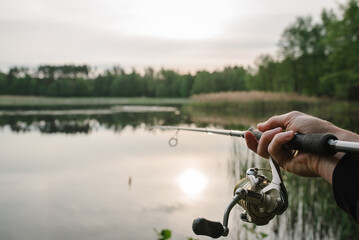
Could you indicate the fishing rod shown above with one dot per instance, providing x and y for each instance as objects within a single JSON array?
[
  {"x": 261, "y": 198},
  {"x": 325, "y": 144}
]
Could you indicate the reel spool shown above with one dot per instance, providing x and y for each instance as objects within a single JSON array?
[{"x": 256, "y": 182}]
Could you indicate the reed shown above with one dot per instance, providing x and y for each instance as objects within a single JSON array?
[{"x": 252, "y": 96}]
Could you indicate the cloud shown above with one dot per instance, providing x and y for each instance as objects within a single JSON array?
[
  {"x": 48, "y": 42},
  {"x": 184, "y": 35}
]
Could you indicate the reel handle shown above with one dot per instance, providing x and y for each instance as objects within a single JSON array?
[
  {"x": 316, "y": 143},
  {"x": 202, "y": 226}
]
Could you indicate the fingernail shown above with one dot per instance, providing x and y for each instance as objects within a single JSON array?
[
  {"x": 288, "y": 133},
  {"x": 278, "y": 129},
  {"x": 259, "y": 124}
]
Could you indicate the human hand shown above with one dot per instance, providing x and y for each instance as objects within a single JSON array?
[{"x": 279, "y": 130}]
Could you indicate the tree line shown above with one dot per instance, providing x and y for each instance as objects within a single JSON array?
[
  {"x": 72, "y": 80},
  {"x": 314, "y": 58}
]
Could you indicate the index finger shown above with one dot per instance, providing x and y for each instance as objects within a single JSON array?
[{"x": 278, "y": 121}]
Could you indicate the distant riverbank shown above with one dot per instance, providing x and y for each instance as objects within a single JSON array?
[
  {"x": 87, "y": 101},
  {"x": 234, "y": 97},
  {"x": 225, "y": 109},
  {"x": 231, "y": 110}
]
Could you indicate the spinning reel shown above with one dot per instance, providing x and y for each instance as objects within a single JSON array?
[{"x": 260, "y": 198}]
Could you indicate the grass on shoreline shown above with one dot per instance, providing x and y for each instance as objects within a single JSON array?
[
  {"x": 248, "y": 108},
  {"x": 239, "y": 96},
  {"x": 253, "y": 96},
  {"x": 87, "y": 101}
]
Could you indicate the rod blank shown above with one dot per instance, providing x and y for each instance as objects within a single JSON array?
[
  {"x": 233, "y": 133},
  {"x": 344, "y": 146},
  {"x": 318, "y": 143}
]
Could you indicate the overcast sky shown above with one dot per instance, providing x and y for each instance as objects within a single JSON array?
[{"x": 184, "y": 35}]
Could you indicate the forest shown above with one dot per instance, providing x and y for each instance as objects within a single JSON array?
[{"x": 314, "y": 58}]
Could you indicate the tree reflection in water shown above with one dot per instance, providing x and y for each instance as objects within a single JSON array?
[{"x": 72, "y": 124}]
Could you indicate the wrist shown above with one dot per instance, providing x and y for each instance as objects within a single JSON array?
[
  {"x": 343, "y": 135},
  {"x": 327, "y": 165}
]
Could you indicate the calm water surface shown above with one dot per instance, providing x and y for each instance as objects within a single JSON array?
[
  {"x": 108, "y": 175},
  {"x": 109, "y": 184}
]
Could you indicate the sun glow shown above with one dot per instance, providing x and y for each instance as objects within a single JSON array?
[
  {"x": 192, "y": 182},
  {"x": 185, "y": 19}
]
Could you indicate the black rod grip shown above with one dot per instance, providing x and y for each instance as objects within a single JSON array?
[
  {"x": 202, "y": 226},
  {"x": 316, "y": 143}
]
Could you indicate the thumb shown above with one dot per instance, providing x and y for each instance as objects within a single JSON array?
[{"x": 251, "y": 141}]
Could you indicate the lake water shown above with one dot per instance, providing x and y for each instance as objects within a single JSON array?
[{"x": 107, "y": 174}]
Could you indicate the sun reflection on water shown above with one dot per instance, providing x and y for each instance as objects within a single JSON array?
[{"x": 192, "y": 182}]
